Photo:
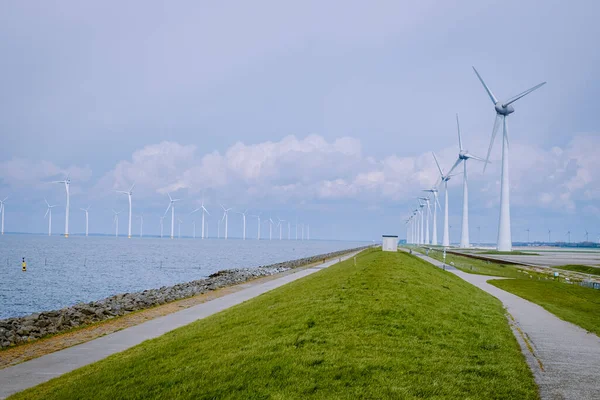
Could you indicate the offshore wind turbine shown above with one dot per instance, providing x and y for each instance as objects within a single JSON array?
[
  {"x": 280, "y": 221},
  {"x": 172, "y": 207},
  {"x": 141, "y": 217},
  {"x": 116, "y": 222},
  {"x": 503, "y": 109},
  {"x": 289, "y": 230},
  {"x": 86, "y": 210},
  {"x": 129, "y": 193},
  {"x": 49, "y": 215},
  {"x": 194, "y": 223},
  {"x": 463, "y": 156},
  {"x": 2, "y": 212},
  {"x": 436, "y": 204},
  {"x": 67, "y": 182},
  {"x": 162, "y": 219},
  {"x": 270, "y": 228},
  {"x": 243, "y": 214},
  {"x": 444, "y": 179},
  {"x": 225, "y": 217},
  {"x": 204, "y": 210},
  {"x": 258, "y": 233}
]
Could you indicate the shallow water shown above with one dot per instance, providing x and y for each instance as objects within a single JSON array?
[{"x": 62, "y": 272}]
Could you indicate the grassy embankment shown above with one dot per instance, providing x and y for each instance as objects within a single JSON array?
[
  {"x": 508, "y": 253},
  {"x": 581, "y": 268},
  {"x": 570, "y": 302},
  {"x": 391, "y": 327}
]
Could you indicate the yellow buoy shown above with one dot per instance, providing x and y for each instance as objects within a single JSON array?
[{"x": 24, "y": 265}]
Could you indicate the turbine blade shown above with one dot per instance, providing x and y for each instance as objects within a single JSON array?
[
  {"x": 438, "y": 164},
  {"x": 167, "y": 210},
  {"x": 170, "y": 198},
  {"x": 468, "y": 155},
  {"x": 47, "y": 211},
  {"x": 487, "y": 89},
  {"x": 44, "y": 200},
  {"x": 458, "y": 161},
  {"x": 132, "y": 186},
  {"x": 494, "y": 132},
  {"x": 459, "y": 138},
  {"x": 525, "y": 93}
]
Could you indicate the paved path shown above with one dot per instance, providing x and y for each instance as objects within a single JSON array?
[
  {"x": 30, "y": 373},
  {"x": 564, "y": 358}
]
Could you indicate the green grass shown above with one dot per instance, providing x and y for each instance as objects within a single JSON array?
[
  {"x": 391, "y": 327},
  {"x": 573, "y": 303},
  {"x": 580, "y": 268},
  {"x": 509, "y": 253},
  {"x": 482, "y": 267}
]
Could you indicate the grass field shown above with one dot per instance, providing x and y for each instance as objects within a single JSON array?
[
  {"x": 573, "y": 303},
  {"x": 581, "y": 268},
  {"x": 391, "y": 327}
]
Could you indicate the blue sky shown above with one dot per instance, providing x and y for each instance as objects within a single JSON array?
[{"x": 327, "y": 112}]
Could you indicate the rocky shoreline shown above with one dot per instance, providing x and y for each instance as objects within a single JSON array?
[{"x": 19, "y": 330}]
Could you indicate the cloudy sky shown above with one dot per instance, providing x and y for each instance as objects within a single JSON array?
[{"x": 322, "y": 111}]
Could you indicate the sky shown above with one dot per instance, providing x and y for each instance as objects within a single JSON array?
[{"x": 325, "y": 113}]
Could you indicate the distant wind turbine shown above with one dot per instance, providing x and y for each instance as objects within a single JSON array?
[
  {"x": 464, "y": 156},
  {"x": 280, "y": 221},
  {"x": 243, "y": 214},
  {"x": 67, "y": 182},
  {"x": 86, "y": 210},
  {"x": 426, "y": 200},
  {"x": 116, "y": 222},
  {"x": 204, "y": 210},
  {"x": 194, "y": 223},
  {"x": 587, "y": 236},
  {"x": 444, "y": 179},
  {"x": 2, "y": 207},
  {"x": 527, "y": 230},
  {"x": 141, "y": 217},
  {"x": 226, "y": 217},
  {"x": 172, "y": 202},
  {"x": 569, "y": 235},
  {"x": 271, "y": 228},
  {"x": 289, "y": 230},
  {"x": 503, "y": 109},
  {"x": 129, "y": 193},
  {"x": 49, "y": 215},
  {"x": 258, "y": 233},
  {"x": 436, "y": 205},
  {"x": 162, "y": 219}
]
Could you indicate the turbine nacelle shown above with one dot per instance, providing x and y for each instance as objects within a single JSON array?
[{"x": 503, "y": 109}]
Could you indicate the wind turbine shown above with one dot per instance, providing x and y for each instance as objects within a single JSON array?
[
  {"x": 172, "y": 207},
  {"x": 129, "y": 193},
  {"x": 116, "y": 222},
  {"x": 67, "y": 182},
  {"x": 463, "y": 156},
  {"x": 587, "y": 236},
  {"x": 2, "y": 211},
  {"x": 503, "y": 109},
  {"x": 204, "y": 210},
  {"x": 280, "y": 221},
  {"x": 569, "y": 235},
  {"x": 422, "y": 214},
  {"x": 243, "y": 214},
  {"x": 162, "y": 219},
  {"x": 49, "y": 214},
  {"x": 194, "y": 224},
  {"x": 225, "y": 217},
  {"x": 257, "y": 216},
  {"x": 549, "y": 235},
  {"x": 436, "y": 204},
  {"x": 426, "y": 199},
  {"x": 527, "y": 230},
  {"x": 86, "y": 210},
  {"x": 270, "y": 228},
  {"x": 289, "y": 229},
  {"x": 445, "y": 179},
  {"x": 141, "y": 217}
]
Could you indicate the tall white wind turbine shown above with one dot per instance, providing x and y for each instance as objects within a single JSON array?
[
  {"x": 194, "y": 223},
  {"x": 67, "y": 182},
  {"x": 444, "y": 179},
  {"x": 258, "y": 233},
  {"x": 225, "y": 217},
  {"x": 289, "y": 229},
  {"x": 116, "y": 222},
  {"x": 427, "y": 218},
  {"x": 422, "y": 215},
  {"x": 463, "y": 156},
  {"x": 162, "y": 220},
  {"x": 87, "y": 219},
  {"x": 436, "y": 204},
  {"x": 503, "y": 109},
  {"x": 129, "y": 193},
  {"x": 172, "y": 202},
  {"x": 2, "y": 212},
  {"x": 279, "y": 222},
  {"x": 204, "y": 210},
  {"x": 49, "y": 215},
  {"x": 243, "y": 214},
  {"x": 270, "y": 228},
  {"x": 141, "y": 217}
]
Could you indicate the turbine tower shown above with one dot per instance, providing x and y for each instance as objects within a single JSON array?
[
  {"x": 49, "y": 215},
  {"x": 426, "y": 200},
  {"x": 129, "y": 193},
  {"x": 86, "y": 210},
  {"x": 2, "y": 211},
  {"x": 116, "y": 222},
  {"x": 162, "y": 219},
  {"x": 436, "y": 204},
  {"x": 172, "y": 207},
  {"x": 141, "y": 217},
  {"x": 445, "y": 179},
  {"x": 204, "y": 210},
  {"x": 503, "y": 109},
  {"x": 225, "y": 217},
  {"x": 280, "y": 221},
  {"x": 270, "y": 228},
  {"x": 463, "y": 156},
  {"x": 243, "y": 214},
  {"x": 194, "y": 223},
  {"x": 67, "y": 182},
  {"x": 258, "y": 233}
]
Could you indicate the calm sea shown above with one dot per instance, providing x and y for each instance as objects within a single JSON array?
[{"x": 62, "y": 272}]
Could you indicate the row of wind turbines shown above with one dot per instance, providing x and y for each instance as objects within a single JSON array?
[
  {"x": 303, "y": 229},
  {"x": 417, "y": 224}
]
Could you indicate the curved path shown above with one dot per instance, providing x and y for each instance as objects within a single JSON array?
[
  {"x": 564, "y": 358},
  {"x": 33, "y": 372}
]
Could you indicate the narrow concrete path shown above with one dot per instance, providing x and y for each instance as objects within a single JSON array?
[
  {"x": 564, "y": 358},
  {"x": 33, "y": 372}
]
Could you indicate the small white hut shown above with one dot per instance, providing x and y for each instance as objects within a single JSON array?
[{"x": 389, "y": 243}]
